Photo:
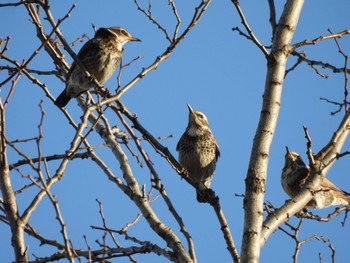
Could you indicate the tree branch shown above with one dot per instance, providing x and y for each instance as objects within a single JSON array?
[
  {"x": 323, "y": 162},
  {"x": 212, "y": 199},
  {"x": 9, "y": 198},
  {"x": 319, "y": 39},
  {"x": 134, "y": 192},
  {"x": 257, "y": 169},
  {"x": 249, "y": 30}
]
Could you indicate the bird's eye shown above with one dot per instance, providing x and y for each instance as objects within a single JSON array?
[{"x": 124, "y": 32}]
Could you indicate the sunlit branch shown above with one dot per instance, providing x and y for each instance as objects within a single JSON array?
[
  {"x": 177, "y": 16},
  {"x": 320, "y": 165},
  {"x": 160, "y": 187},
  {"x": 133, "y": 191},
  {"x": 9, "y": 198},
  {"x": 319, "y": 39},
  {"x": 110, "y": 232},
  {"x": 63, "y": 227},
  {"x": 212, "y": 198}
]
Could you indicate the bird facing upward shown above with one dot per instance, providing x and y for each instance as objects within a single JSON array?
[
  {"x": 295, "y": 174},
  {"x": 198, "y": 150},
  {"x": 100, "y": 55}
]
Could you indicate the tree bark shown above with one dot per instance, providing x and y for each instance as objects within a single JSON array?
[
  {"x": 324, "y": 160},
  {"x": 257, "y": 169},
  {"x": 9, "y": 198}
]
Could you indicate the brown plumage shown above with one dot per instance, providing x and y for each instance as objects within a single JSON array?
[
  {"x": 100, "y": 56},
  {"x": 295, "y": 174},
  {"x": 198, "y": 150}
]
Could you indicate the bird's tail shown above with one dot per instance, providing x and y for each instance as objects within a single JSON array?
[
  {"x": 346, "y": 196},
  {"x": 63, "y": 99}
]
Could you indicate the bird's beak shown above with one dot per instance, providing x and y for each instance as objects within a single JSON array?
[
  {"x": 190, "y": 108},
  {"x": 287, "y": 150},
  {"x": 134, "y": 39}
]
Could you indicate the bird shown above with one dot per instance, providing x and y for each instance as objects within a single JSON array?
[
  {"x": 198, "y": 150},
  {"x": 295, "y": 173},
  {"x": 100, "y": 55}
]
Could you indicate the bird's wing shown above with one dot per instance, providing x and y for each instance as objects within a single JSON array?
[
  {"x": 178, "y": 143},
  {"x": 217, "y": 149},
  {"x": 329, "y": 185},
  {"x": 88, "y": 50}
]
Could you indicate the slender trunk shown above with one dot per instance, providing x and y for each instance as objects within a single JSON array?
[
  {"x": 10, "y": 205},
  {"x": 257, "y": 170}
]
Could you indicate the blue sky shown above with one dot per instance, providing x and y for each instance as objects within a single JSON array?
[{"x": 216, "y": 71}]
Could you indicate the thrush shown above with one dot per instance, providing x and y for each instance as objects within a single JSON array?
[
  {"x": 100, "y": 55},
  {"x": 198, "y": 150},
  {"x": 295, "y": 174}
]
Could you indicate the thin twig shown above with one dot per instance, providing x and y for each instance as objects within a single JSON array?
[
  {"x": 314, "y": 63},
  {"x": 212, "y": 199},
  {"x": 248, "y": 28},
  {"x": 272, "y": 19},
  {"x": 319, "y": 39},
  {"x": 309, "y": 146},
  {"x": 346, "y": 78}
]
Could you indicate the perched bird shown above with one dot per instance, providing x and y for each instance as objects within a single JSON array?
[
  {"x": 295, "y": 174},
  {"x": 198, "y": 150},
  {"x": 100, "y": 56}
]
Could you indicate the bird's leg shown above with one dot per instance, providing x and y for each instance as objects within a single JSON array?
[{"x": 184, "y": 173}]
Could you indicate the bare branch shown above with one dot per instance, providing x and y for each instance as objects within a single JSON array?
[
  {"x": 48, "y": 158},
  {"x": 160, "y": 187},
  {"x": 101, "y": 255},
  {"x": 296, "y": 230},
  {"x": 63, "y": 227},
  {"x": 199, "y": 11},
  {"x": 177, "y": 16},
  {"x": 34, "y": 71},
  {"x": 9, "y": 198},
  {"x": 110, "y": 232},
  {"x": 340, "y": 105},
  {"x": 299, "y": 61},
  {"x": 298, "y": 242},
  {"x": 21, "y": 3},
  {"x": 255, "y": 182},
  {"x": 346, "y": 79},
  {"x": 314, "y": 63},
  {"x": 319, "y": 39},
  {"x": 133, "y": 191},
  {"x": 327, "y": 218},
  {"x": 212, "y": 199},
  {"x": 149, "y": 15},
  {"x": 272, "y": 16},
  {"x": 309, "y": 146},
  {"x": 249, "y": 30},
  {"x": 121, "y": 68},
  {"x": 322, "y": 163}
]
